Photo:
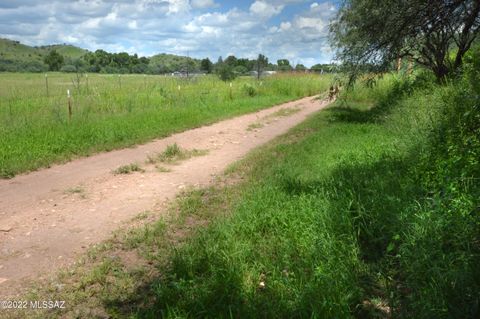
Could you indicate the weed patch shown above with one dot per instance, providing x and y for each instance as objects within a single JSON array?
[
  {"x": 128, "y": 169},
  {"x": 174, "y": 154},
  {"x": 254, "y": 126}
]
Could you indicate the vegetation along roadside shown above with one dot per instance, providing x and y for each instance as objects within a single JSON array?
[{"x": 368, "y": 209}]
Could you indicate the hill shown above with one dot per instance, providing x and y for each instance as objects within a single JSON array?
[
  {"x": 14, "y": 50},
  {"x": 18, "y": 57},
  {"x": 67, "y": 50}
]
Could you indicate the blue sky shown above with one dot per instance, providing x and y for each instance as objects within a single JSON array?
[{"x": 293, "y": 29}]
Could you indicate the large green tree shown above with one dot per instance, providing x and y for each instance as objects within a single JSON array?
[
  {"x": 206, "y": 65},
  {"x": 370, "y": 34},
  {"x": 54, "y": 60},
  {"x": 284, "y": 65}
]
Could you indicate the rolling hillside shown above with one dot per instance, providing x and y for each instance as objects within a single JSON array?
[
  {"x": 16, "y": 51},
  {"x": 18, "y": 57}
]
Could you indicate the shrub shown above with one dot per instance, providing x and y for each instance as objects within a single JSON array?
[
  {"x": 68, "y": 68},
  {"x": 225, "y": 73},
  {"x": 249, "y": 90}
]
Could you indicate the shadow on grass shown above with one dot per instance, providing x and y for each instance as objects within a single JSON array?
[
  {"x": 343, "y": 112},
  {"x": 372, "y": 193}
]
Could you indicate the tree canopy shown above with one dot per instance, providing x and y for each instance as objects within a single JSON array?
[
  {"x": 54, "y": 60},
  {"x": 206, "y": 65},
  {"x": 370, "y": 34}
]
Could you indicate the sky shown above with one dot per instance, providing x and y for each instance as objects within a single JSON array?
[{"x": 296, "y": 30}]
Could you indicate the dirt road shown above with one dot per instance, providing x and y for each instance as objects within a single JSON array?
[{"x": 49, "y": 217}]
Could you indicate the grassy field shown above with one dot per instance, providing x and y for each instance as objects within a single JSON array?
[
  {"x": 112, "y": 111},
  {"x": 369, "y": 209}
]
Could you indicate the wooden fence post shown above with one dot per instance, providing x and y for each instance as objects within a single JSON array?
[
  {"x": 46, "y": 83},
  {"x": 69, "y": 97}
]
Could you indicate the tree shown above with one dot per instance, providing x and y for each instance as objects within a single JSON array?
[
  {"x": 323, "y": 68},
  {"x": 300, "y": 67},
  {"x": 240, "y": 69},
  {"x": 231, "y": 60},
  {"x": 225, "y": 72},
  {"x": 369, "y": 35},
  {"x": 260, "y": 64},
  {"x": 54, "y": 60},
  {"x": 284, "y": 65},
  {"x": 206, "y": 65}
]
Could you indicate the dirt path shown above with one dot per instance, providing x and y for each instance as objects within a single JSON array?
[{"x": 49, "y": 217}]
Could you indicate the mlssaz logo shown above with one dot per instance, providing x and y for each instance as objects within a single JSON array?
[{"x": 47, "y": 304}]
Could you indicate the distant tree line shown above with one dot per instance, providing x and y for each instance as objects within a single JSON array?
[{"x": 101, "y": 61}]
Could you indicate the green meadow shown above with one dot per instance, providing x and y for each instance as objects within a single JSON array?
[
  {"x": 369, "y": 209},
  {"x": 115, "y": 111}
]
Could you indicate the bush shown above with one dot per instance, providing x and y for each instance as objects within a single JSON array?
[
  {"x": 240, "y": 70},
  {"x": 225, "y": 73},
  {"x": 249, "y": 90},
  {"x": 439, "y": 256},
  {"x": 68, "y": 68}
]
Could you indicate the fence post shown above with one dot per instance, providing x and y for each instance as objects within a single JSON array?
[
  {"x": 69, "y": 97},
  {"x": 46, "y": 83}
]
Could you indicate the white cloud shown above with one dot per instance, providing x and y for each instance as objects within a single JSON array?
[
  {"x": 178, "y": 6},
  {"x": 149, "y": 27},
  {"x": 265, "y": 9},
  {"x": 285, "y": 26},
  {"x": 203, "y": 4}
]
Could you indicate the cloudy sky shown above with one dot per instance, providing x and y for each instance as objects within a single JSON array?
[{"x": 293, "y": 29}]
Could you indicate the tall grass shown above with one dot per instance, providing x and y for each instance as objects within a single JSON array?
[
  {"x": 112, "y": 111},
  {"x": 369, "y": 209}
]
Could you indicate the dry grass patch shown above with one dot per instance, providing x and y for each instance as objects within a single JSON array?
[{"x": 174, "y": 154}]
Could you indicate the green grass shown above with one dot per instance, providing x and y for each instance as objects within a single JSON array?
[
  {"x": 349, "y": 215},
  {"x": 113, "y": 111},
  {"x": 369, "y": 209}
]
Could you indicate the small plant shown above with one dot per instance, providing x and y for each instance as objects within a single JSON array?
[
  {"x": 254, "y": 126},
  {"x": 174, "y": 153},
  {"x": 127, "y": 169},
  {"x": 76, "y": 190},
  {"x": 249, "y": 90}
]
